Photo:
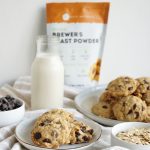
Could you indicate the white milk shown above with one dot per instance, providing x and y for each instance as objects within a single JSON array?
[{"x": 47, "y": 81}]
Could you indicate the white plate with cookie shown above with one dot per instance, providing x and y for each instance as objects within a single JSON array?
[
  {"x": 85, "y": 101},
  {"x": 23, "y": 135}
]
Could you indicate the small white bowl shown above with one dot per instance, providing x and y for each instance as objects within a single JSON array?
[
  {"x": 12, "y": 116},
  {"x": 126, "y": 126}
]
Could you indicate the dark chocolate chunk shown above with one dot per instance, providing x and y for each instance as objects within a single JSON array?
[
  {"x": 83, "y": 129},
  {"x": 136, "y": 115},
  {"x": 130, "y": 111},
  {"x": 105, "y": 107},
  {"x": 91, "y": 131},
  {"x": 47, "y": 140},
  {"x": 134, "y": 106},
  {"x": 77, "y": 133},
  {"x": 130, "y": 88},
  {"x": 37, "y": 135},
  {"x": 86, "y": 138}
]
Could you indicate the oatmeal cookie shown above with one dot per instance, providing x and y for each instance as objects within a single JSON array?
[
  {"x": 108, "y": 97},
  {"x": 80, "y": 133},
  {"x": 103, "y": 109},
  {"x": 58, "y": 127},
  {"x": 51, "y": 134},
  {"x": 122, "y": 86},
  {"x": 130, "y": 108},
  {"x": 144, "y": 85},
  {"x": 52, "y": 129}
]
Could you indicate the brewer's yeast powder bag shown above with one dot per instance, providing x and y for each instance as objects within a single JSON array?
[{"x": 81, "y": 27}]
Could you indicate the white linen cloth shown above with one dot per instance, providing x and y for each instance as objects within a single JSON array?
[{"x": 21, "y": 89}]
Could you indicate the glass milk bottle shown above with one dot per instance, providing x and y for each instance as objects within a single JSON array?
[{"x": 47, "y": 89}]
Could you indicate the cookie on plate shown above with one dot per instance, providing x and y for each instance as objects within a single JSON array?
[
  {"x": 103, "y": 109},
  {"x": 80, "y": 133},
  {"x": 58, "y": 127},
  {"x": 108, "y": 97},
  {"x": 51, "y": 135},
  {"x": 130, "y": 108},
  {"x": 52, "y": 129},
  {"x": 122, "y": 86},
  {"x": 144, "y": 85}
]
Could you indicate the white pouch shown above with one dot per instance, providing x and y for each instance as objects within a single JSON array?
[{"x": 81, "y": 27}]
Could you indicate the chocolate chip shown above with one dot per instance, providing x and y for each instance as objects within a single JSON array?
[
  {"x": 130, "y": 88},
  {"x": 91, "y": 131},
  {"x": 146, "y": 82},
  {"x": 85, "y": 138},
  {"x": 42, "y": 124},
  {"x": 37, "y": 135},
  {"x": 136, "y": 115},
  {"x": 124, "y": 103},
  {"x": 105, "y": 107},
  {"x": 47, "y": 140},
  {"x": 134, "y": 106},
  {"x": 148, "y": 88},
  {"x": 130, "y": 111},
  {"x": 83, "y": 129},
  {"x": 77, "y": 133}
]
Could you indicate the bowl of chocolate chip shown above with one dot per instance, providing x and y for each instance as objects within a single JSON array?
[{"x": 11, "y": 110}]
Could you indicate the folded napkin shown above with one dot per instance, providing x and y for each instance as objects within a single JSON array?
[{"x": 21, "y": 89}]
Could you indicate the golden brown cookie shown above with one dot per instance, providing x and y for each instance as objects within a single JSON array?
[
  {"x": 58, "y": 127},
  {"x": 103, "y": 109},
  {"x": 52, "y": 129},
  {"x": 122, "y": 86},
  {"x": 108, "y": 97},
  {"x": 80, "y": 133},
  {"x": 144, "y": 85},
  {"x": 130, "y": 108}
]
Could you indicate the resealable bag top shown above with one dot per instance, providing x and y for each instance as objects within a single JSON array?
[{"x": 81, "y": 27}]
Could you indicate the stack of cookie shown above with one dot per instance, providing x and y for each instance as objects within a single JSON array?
[
  {"x": 57, "y": 127},
  {"x": 125, "y": 99}
]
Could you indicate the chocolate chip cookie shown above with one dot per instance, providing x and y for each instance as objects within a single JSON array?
[
  {"x": 144, "y": 85},
  {"x": 103, "y": 109},
  {"x": 108, "y": 97},
  {"x": 122, "y": 86},
  {"x": 130, "y": 108},
  {"x": 52, "y": 129},
  {"x": 58, "y": 127},
  {"x": 80, "y": 133}
]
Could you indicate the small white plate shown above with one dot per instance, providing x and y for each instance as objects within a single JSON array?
[
  {"x": 86, "y": 99},
  {"x": 23, "y": 135}
]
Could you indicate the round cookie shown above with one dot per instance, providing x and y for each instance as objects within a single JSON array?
[
  {"x": 108, "y": 97},
  {"x": 52, "y": 129},
  {"x": 103, "y": 109},
  {"x": 51, "y": 135},
  {"x": 130, "y": 108},
  {"x": 144, "y": 85},
  {"x": 122, "y": 86},
  {"x": 80, "y": 133}
]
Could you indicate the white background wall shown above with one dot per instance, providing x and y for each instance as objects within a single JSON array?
[{"x": 127, "y": 49}]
